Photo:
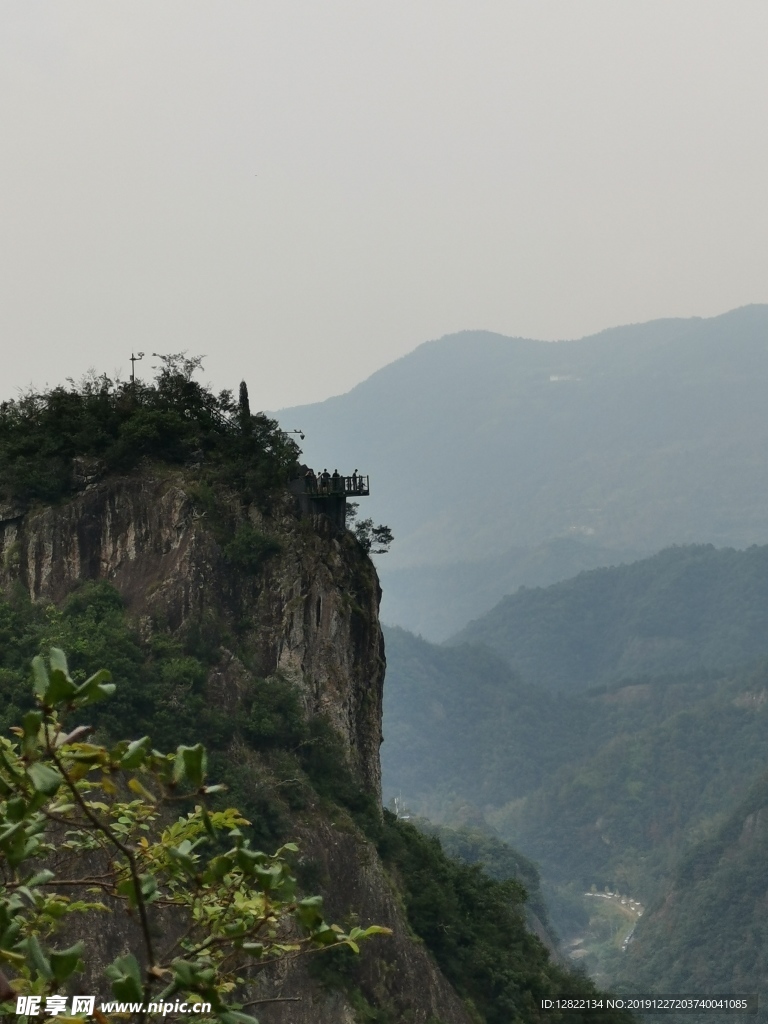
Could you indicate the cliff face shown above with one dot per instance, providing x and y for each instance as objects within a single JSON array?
[
  {"x": 309, "y": 614},
  {"x": 312, "y": 609}
]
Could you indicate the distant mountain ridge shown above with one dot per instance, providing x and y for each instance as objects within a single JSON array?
[
  {"x": 438, "y": 600},
  {"x": 684, "y": 609},
  {"x": 631, "y": 439}
]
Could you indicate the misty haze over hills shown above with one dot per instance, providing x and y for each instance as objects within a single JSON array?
[
  {"x": 683, "y": 610},
  {"x": 437, "y": 600},
  {"x": 483, "y": 448},
  {"x": 611, "y": 728}
]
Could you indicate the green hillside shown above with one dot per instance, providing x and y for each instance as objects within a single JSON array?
[
  {"x": 684, "y": 609},
  {"x": 461, "y": 727},
  {"x": 663, "y": 761},
  {"x": 709, "y": 932},
  {"x": 608, "y": 787},
  {"x": 481, "y": 846},
  {"x": 605, "y": 786}
]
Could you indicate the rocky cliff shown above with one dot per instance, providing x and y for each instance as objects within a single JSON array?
[
  {"x": 308, "y": 613},
  {"x": 313, "y": 609}
]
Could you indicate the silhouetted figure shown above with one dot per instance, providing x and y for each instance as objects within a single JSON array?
[
  {"x": 325, "y": 481},
  {"x": 310, "y": 481},
  {"x": 335, "y": 482},
  {"x": 354, "y": 482}
]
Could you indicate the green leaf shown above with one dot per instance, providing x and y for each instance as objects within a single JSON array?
[
  {"x": 207, "y": 823},
  {"x": 14, "y": 958},
  {"x": 58, "y": 660},
  {"x": 16, "y": 808},
  {"x": 136, "y": 787},
  {"x": 31, "y": 723},
  {"x": 41, "y": 878},
  {"x": 96, "y": 688},
  {"x": 128, "y": 889},
  {"x": 190, "y": 764},
  {"x": 66, "y": 961},
  {"x": 326, "y": 936},
  {"x": 309, "y": 911},
  {"x": 136, "y": 753},
  {"x": 27, "y": 893},
  {"x": 366, "y": 933},
  {"x": 192, "y": 975},
  {"x": 44, "y": 778},
  {"x": 125, "y": 975},
  {"x": 256, "y": 949},
  {"x": 268, "y": 878},
  {"x": 218, "y": 868},
  {"x": 7, "y": 832},
  {"x": 62, "y": 808},
  {"x": 60, "y": 688},
  {"x": 182, "y": 857},
  {"x": 39, "y": 676},
  {"x": 248, "y": 860},
  {"x": 148, "y": 887},
  {"x": 37, "y": 957}
]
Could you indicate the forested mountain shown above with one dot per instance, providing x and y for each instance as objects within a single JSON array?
[
  {"x": 632, "y": 439},
  {"x": 661, "y": 762},
  {"x": 684, "y": 609},
  {"x": 709, "y": 932},
  {"x": 601, "y": 786},
  {"x": 460, "y": 725},
  {"x": 606, "y": 787},
  {"x": 478, "y": 845}
]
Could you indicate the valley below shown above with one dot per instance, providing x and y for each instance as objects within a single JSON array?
[{"x": 597, "y": 727}]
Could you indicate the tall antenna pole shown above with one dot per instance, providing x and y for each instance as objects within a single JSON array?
[{"x": 134, "y": 360}]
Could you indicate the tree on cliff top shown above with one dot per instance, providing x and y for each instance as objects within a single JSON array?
[{"x": 53, "y": 441}]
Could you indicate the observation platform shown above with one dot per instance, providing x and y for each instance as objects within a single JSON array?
[{"x": 326, "y": 493}]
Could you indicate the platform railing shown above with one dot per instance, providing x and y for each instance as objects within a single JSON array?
[{"x": 341, "y": 485}]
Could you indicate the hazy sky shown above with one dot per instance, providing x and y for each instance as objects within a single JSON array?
[{"x": 306, "y": 190}]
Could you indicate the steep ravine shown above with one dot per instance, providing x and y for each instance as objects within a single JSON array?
[{"x": 310, "y": 615}]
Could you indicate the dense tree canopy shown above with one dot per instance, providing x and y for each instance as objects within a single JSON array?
[{"x": 52, "y": 441}]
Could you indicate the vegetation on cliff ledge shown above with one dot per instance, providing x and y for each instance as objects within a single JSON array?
[{"x": 53, "y": 442}]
